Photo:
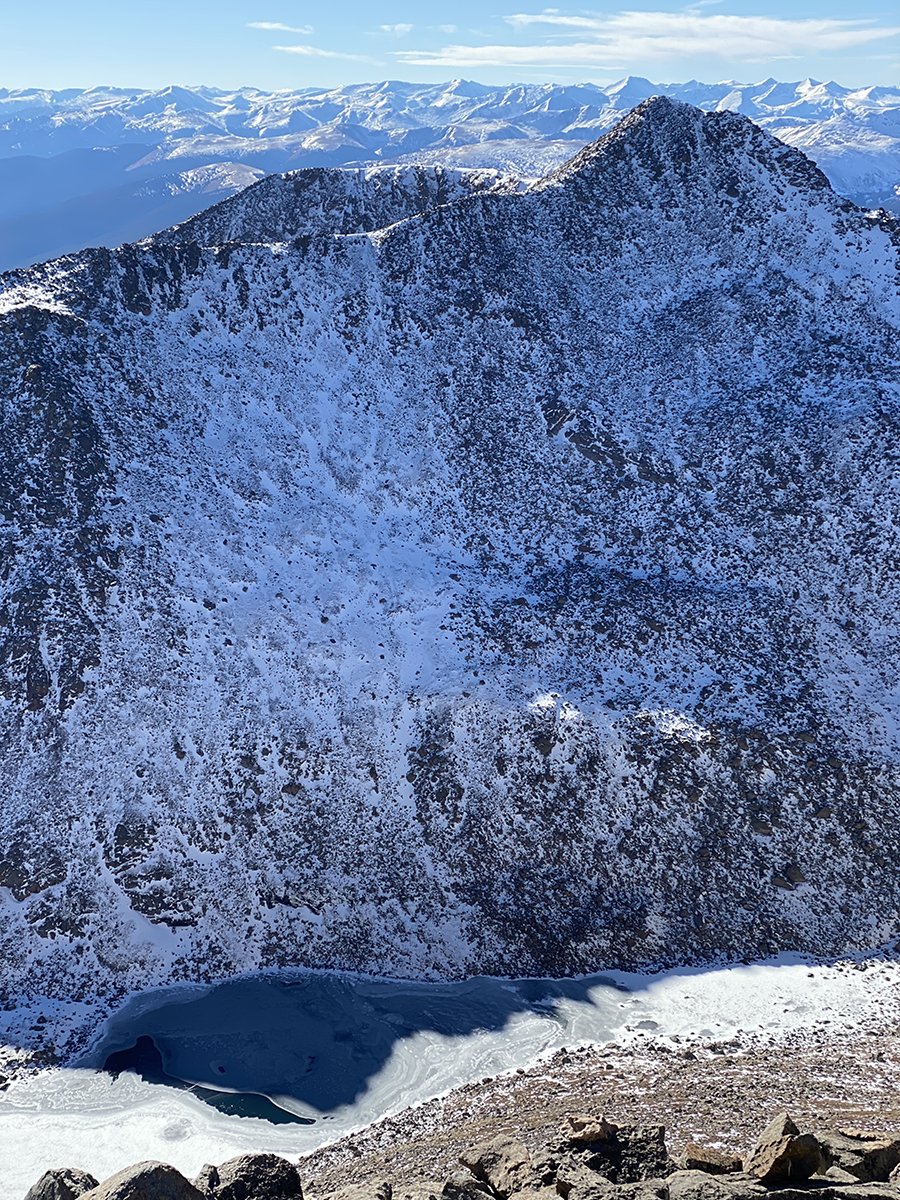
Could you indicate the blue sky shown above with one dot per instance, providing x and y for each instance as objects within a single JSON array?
[{"x": 289, "y": 43}]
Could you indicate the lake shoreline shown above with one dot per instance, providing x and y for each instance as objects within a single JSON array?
[
  {"x": 373, "y": 1062},
  {"x": 717, "y": 1094}
]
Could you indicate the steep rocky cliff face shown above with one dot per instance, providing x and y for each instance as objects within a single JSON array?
[{"x": 514, "y": 589}]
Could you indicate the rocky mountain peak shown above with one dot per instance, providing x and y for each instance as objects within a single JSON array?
[
  {"x": 321, "y": 200},
  {"x": 664, "y": 146},
  {"x": 143, "y": 157}
]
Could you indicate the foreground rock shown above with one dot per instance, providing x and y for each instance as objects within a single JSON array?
[
  {"x": 700, "y": 1185},
  {"x": 146, "y": 1181},
  {"x": 62, "y": 1184},
  {"x": 591, "y": 1159},
  {"x": 783, "y": 1154},
  {"x": 252, "y": 1177},
  {"x": 377, "y": 1190},
  {"x": 707, "y": 1158},
  {"x": 865, "y": 1156},
  {"x": 619, "y": 1154},
  {"x": 503, "y": 1165}
]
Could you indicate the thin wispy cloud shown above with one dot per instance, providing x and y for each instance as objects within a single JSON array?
[
  {"x": 317, "y": 52},
  {"x": 503, "y": 56},
  {"x": 595, "y": 40},
  {"x": 277, "y": 27},
  {"x": 400, "y": 29}
]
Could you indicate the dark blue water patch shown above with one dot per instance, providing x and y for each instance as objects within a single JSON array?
[
  {"x": 144, "y": 1059},
  {"x": 302, "y": 1046}
]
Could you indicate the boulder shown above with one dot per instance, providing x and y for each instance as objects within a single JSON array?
[
  {"x": 378, "y": 1189},
  {"x": 503, "y": 1164},
  {"x": 839, "y": 1175},
  {"x": 207, "y": 1180},
  {"x": 700, "y": 1185},
  {"x": 867, "y": 1157},
  {"x": 418, "y": 1189},
  {"x": 783, "y": 1154},
  {"x": 695, "y": 1157},
  {"x": 590, "y": 1186},
  {"x": 146, "y": 1181},
  {"x": 252, "y": 1177},
  {"x": 809, "y": 1189},
  {"x": 581, "y": 1130},
  {"x": 619, "y": 1153},
  {"x": 647, "y": 1189},
  {"x": 462, "y": 1185},
  {"x": 62, "y": 1183}
]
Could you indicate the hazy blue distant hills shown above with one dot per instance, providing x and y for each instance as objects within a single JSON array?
[{"x": 103, "y": 165}]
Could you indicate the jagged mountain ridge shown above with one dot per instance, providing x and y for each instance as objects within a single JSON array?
[
  {"x": 509, "y": 590},
  {"x": 280, "y": 208},
  {"x": 75, "y": 165}
]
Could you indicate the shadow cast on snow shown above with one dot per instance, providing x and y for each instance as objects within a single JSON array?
[
  {"x": 298, "y": 1046},
  {"x": 278, "y": 1046}
]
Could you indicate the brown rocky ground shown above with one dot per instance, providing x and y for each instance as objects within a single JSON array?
[{"x": 721, "y": 1094}]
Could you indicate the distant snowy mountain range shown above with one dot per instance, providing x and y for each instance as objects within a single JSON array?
[{"x": 106, "y": 165}]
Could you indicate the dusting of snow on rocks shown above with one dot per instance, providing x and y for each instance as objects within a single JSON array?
[
  {"x": 106, "y": 165},
  {"x": 511, "y": 589}
]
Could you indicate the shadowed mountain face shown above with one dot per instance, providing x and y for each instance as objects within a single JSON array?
[
  {"x": 513, "y": 589},
  {"x": 319, "y": 200}
]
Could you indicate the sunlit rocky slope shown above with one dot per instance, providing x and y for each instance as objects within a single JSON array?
[{"x": 513, "y": 589}]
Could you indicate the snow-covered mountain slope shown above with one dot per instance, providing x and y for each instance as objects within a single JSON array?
[
  {"x": 95, "y": 145},
  {"x": 320, "y": 200},
  {"x": 512, "y": 590}
]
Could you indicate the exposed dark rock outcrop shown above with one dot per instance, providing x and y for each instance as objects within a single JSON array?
[
  {"x": 623, "y": 1163},
  {"x": 64, "y": 1183},
  {"x": 252, "y": 1177}
]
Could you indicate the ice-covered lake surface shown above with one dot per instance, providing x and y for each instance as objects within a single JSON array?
[{"x": 314, "y": 1056}]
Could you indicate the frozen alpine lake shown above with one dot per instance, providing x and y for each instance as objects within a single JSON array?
[{"x": 286, "y": 1062}]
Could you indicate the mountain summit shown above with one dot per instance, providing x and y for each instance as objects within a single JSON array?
[
  {"x": 665, "y": 144},
  {"x": 508, "y": 589}
]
